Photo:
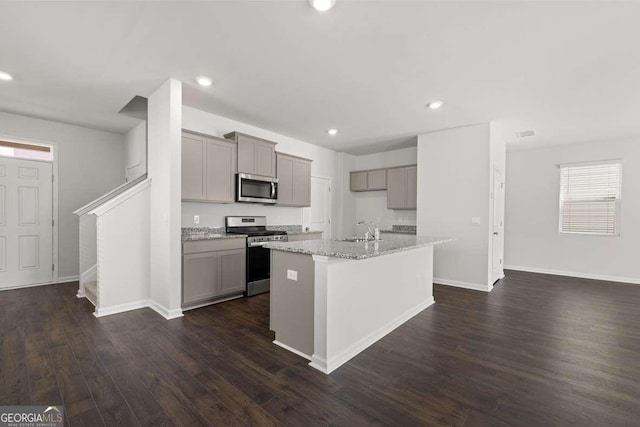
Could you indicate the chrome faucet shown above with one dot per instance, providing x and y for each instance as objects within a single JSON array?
[{"x": 371, "y": 234}]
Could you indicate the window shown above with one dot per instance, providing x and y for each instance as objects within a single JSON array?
[
  {"x": 590, "y": 195},
  {"x": 25, "y": 151}
]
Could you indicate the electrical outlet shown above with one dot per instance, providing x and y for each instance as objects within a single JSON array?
[
  {"x": 292, "y": 275},
  {"x": 196, "y": 219}
]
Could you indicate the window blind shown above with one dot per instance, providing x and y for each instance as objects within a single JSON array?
[{"x": 590, "y": 198}]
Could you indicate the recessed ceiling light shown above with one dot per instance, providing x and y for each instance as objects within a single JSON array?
[
  {"x": 322, "y": 5},
  {"x": 5, "y": 76},
  {"x": 204, "y": 81},
  {"x": 332, "y": 132},
  {"x": 434, "y": 105}
]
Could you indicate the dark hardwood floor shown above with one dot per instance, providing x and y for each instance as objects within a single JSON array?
[{"x": 538, "y": 351}]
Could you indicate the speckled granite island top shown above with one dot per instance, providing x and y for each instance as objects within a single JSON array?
[
  {"x": 357, "y": 250},
  {"x": 194, "y": 234}
]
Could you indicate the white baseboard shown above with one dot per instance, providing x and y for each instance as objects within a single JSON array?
[
  {"x": 635, "y": 281},
  {"x": 115, "y": 309},
  {"x": 33, "y": 285},
  {"x": 165, "y": 312},
  {"x": 291, "y": 349},
  {"x": 328, "y": 366},
  {"x": 81, "y": 294},
  {"x": 465, "y": 285}
]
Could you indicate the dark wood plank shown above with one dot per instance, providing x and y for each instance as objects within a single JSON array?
[{"x": 538, "y": 350}]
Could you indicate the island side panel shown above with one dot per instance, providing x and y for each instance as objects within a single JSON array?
[
  {"x": 359, "y": 302},
  {"x": 292, "y": 301}
]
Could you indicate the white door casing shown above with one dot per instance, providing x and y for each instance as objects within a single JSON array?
[
  {"x": 26, "y": 222},
  {"x": 318, "y": 216},
  {"x": 498, "y": 226}
]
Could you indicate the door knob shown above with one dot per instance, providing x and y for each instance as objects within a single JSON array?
[{"x": 495, "y": 233}]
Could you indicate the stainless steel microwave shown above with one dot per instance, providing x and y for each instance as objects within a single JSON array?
[{"x": 256, "y": 189}]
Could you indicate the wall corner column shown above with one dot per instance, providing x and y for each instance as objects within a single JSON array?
[{"x": 164, "y": 169}]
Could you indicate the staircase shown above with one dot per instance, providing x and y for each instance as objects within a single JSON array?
[{"x": 107, "y": 230}]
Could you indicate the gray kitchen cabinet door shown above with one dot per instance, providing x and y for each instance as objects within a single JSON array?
[
  {"x": 377, "y": 179},
  {"x": 397, "y": 188},
  {"x": 193, "y": 167},
  {"x": 220, "y": 171},
  {"x": 246, "y": 155},
  {"x": 412, "y": 187},
  {"x": 232, "y": 266},
  {"x": 284, "y": 166},
  {"x": 265, "y": 158},
  {"x": 301, "y": 183},
  {"x": 358, "y": 181},
  {"x": 199, "y": 277}
]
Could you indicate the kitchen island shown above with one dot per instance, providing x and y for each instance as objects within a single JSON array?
[{"x": 330, "y": 300}]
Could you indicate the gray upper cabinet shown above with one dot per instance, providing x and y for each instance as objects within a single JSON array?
[
  {"x": 193, "y": 167},
  {"x": 377, "y": 180},
  {"x": 284, "y": 166},
  {"x": 372, "y": 180},
  {"x": 412, "y": 187},
  {"x": 396, "y": 188},
  {"x": 294, "y": 180},
  {"x": 220, "y": 182},
  {"x": 358, "y": 181},
  {"x": 255, "y": 156},
  {"x": 208, "y": 168},
  {"x": 402, "y": 187}
]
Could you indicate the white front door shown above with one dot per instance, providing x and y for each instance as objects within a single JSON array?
[
  {"x": 318, "y": 216},
  {"x": 498, "y": 225},
  {"x": 26, "y": 222}
]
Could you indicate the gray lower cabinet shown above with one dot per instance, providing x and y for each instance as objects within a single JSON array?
[
  {"x": 211, "y": 270},
  {"x": 255, "y": 156},
  {"x": 208, "y": 169},
  {"x": 402, "y": 187},
  {"x": 294, "y": 180}
]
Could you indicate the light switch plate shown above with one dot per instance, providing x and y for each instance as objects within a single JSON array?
[
  {"x": 196, "y": 219},
  {"x": 292, "y": 275},
  {"x": 475, "y": 220}
]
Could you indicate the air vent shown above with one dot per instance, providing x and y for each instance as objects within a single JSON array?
[{"x": 526, "y": 133}]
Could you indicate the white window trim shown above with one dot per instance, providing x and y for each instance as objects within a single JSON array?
[{"x": 618, "y": 201}]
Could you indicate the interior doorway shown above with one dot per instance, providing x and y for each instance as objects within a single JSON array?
[
  {"x": 498, "y": 226},
  {"x": 318, "y": 216},
  {"x": 26, "y": 215}
]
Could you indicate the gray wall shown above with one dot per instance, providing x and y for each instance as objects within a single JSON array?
[
  {"x": 532, "y": 215},
  {"x": 90, "y": 163}
]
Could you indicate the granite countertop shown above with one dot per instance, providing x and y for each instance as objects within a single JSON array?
[
  {"x": 358, "y": 250},
  {"x": 210, "y": 236},
  {"x": 398, "y": 232},
  {"x": 294, "y": 232},
  {"x": 401, "y": 229},
  {"x": 207, "y": 233}
]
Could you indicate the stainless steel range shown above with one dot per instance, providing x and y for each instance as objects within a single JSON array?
[{"x": 258, "y": 257}]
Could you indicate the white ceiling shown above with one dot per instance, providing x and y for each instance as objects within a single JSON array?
[{"x": 569, "y": 70}]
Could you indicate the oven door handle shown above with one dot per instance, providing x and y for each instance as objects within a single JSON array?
[
  {"x": 257, "y": 244},
  {"x": 273, "y": 191}
]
